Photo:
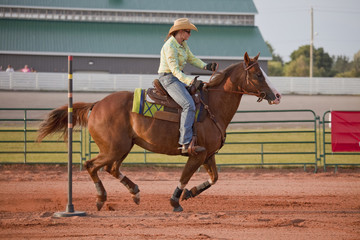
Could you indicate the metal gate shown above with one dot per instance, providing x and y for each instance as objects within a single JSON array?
[
  {"x": 256, "y": 142},
  {"x": 274, "y": 138},
  {"x": 335, "y": 158}
]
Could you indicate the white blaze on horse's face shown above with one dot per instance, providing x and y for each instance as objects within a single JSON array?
[{"x": 276, "y": 92}]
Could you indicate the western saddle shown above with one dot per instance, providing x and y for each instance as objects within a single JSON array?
[{"x": 172, "y": 110}]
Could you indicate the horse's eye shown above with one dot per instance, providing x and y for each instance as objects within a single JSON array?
[{"x": 259, "y": 74}]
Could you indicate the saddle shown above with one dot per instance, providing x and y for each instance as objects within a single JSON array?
[{"x": 172, "y": 110}]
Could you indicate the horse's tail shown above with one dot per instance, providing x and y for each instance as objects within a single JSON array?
[{"x": 57, "y": 120}]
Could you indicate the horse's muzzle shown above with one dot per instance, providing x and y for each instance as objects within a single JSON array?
[{"x": 277, "y": 98}]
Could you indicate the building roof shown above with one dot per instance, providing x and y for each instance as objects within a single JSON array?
[
  {"x": 124, "y": 39},
  {"x": 229, "y": 6}
]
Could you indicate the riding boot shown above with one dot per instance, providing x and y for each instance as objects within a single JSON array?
[{"x": 186, "y": 151}]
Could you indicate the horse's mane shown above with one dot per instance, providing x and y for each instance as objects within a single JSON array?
[{"x": 220, "y": 76}]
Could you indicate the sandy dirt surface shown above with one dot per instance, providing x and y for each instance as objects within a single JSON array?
[{"x": 244, "y": 204}]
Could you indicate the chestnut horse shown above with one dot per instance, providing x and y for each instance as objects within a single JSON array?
[{"x": 115, "y": 128}]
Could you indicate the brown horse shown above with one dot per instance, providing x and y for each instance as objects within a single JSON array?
[{"x": 115, "y": 128}]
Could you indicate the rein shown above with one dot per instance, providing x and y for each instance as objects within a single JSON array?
[
  {"x": 217, "y": 124},
  {"x": 260, "y": 95}
]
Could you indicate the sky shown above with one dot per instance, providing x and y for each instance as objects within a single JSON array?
[{"x": 286, "y": 25}]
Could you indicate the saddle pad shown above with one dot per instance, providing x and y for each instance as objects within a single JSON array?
[{"x": 143, "y": 107}]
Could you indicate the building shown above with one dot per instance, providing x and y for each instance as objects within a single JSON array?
[{"x": 123, "y": 36}]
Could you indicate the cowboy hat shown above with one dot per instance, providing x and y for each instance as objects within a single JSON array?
[{"x": 181, "y": 24}]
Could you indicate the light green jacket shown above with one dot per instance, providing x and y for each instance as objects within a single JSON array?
[{"x": 174, "y": 57}]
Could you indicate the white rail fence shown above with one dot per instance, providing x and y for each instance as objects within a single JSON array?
[{"x": 117, "y": 82}]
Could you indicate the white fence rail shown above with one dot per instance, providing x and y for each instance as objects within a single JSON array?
[{"x": 117, "y": 82}]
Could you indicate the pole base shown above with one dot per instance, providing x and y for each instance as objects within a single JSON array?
[{"x": 69, "y": 214}]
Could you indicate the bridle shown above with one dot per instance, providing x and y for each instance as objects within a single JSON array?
[{"x": 261, "y": 95}]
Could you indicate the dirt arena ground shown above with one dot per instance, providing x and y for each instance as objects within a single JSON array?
[{"x": 244, "y": 204}]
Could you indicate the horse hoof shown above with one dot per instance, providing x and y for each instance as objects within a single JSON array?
[
  {"x": 178, "y": 209},
  {"x": 176, "y": 205},
  {"x": 136, "y": 198},
  {"x": 99, "y": 205}
]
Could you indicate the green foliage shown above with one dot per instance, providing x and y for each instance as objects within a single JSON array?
[
  {"x": 275, "y": 68},
  {"x": 298, "y": 67},
  {"x": 275, "y": 57},
  {"x": 357, "y": 64},
  {"x": 341, "y": 64},
  {"x": 323, "y": 64},
  {"x": 300, "y": 63},
  {"x": 343, "y": 68},
  {"x": 302, "y": 51}
]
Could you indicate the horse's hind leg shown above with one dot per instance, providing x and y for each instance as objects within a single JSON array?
[
  {"x": 133, "y": 188},
  {"x": 93, "y": 166},
  {"x": 211, "y": 168}
]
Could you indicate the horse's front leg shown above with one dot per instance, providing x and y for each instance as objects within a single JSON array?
[
  {"x": 193, "y": 163},
  {"x": 211, "y": 168}
]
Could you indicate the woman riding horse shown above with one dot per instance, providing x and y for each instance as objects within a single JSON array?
[
  {"x": 174, "y": 55},
  {"x": 115, "y": 129}
]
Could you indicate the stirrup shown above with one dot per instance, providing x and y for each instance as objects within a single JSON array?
[{"x": 191, "y": 149}]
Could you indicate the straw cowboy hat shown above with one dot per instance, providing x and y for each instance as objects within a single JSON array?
[{"x": 181, "y": 24}]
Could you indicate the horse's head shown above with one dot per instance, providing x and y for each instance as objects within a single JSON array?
[{"x": 257, "y": 82}]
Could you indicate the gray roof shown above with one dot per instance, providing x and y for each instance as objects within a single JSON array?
[
  {"x": 124, "y": 39},
  {"x": 230, "y": 6}
]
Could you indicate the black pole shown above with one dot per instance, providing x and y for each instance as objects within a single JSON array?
[{"x": 70, "y": 207}]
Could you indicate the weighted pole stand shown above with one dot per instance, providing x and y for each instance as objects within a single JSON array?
[{"x": 70, "y": 207}]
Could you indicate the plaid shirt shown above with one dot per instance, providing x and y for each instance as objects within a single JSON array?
[{"x": 173, "y": 58}]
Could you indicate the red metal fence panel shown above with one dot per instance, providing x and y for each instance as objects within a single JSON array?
[{"x": 345, "y": 131}]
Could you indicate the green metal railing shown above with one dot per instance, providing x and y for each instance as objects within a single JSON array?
[
  {"x": 335, "y": 158},
  {"x": 264, "y": 142},
  {"x": 310, "y": 149},
  {"x": 222, "y": 156},
  {"x": 26, "y": 126}
]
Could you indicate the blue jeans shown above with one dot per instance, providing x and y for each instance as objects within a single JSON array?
[{"x": 181, "y": 96}]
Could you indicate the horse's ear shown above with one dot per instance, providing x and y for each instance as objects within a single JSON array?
[
  {"x": 246, "y": 59},
  {"x": 257, "y": 56}
]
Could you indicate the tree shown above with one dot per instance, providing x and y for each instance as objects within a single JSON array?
[
  {"x": 275, "y": 66},
  {"x": 298, "y": 67},
  {"x": 357, "y": 64},
  {"x": 341, "y": 64},
  {"x": 322, "y": 63},
  {"x": 344, "y": 68},
  {"x": 275, "y": 57}
]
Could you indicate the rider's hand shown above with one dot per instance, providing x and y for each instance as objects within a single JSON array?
[
  {"x": 197, "y": 83},
  {"x": 211, "y": 66}
]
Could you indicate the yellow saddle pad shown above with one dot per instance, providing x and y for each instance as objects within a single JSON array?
[{"x": 143, "y": 107}]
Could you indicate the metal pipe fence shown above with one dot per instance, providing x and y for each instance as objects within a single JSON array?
[
  {"x": 282, "y": 146},
  {"x": 335, "y": 159},
  {"x": 254, "y": 150},
  {"x": 18, "y": 139},
  {"x": 275, "y": 138}
]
